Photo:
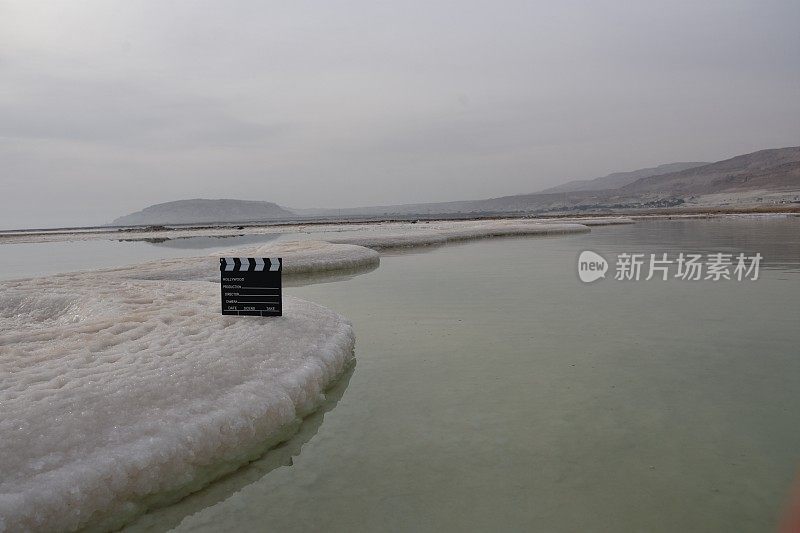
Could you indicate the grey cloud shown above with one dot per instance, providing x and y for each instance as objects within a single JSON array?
[
  {"x": 124, "y": 113},
  {"x": 107, "y": 106}
]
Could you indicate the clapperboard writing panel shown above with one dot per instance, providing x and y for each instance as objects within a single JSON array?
[{"x": 251, "y": 286}]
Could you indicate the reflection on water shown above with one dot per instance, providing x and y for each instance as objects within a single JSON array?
[
  {"x": 777, "y": 239},
  {"x": 495, "y": 391},
  {"x": 327, "y": 276},
  {"x": 166, "y": 518}
]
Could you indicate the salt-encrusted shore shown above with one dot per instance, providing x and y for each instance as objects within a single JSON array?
[
  {"x": 112, "y": 393},
  {"x": 135, "y": 234},
  {"x": 125, "y": 387},
  {"x": 300, "y": 259},
  {"x": 452, "y": 233},
  {"x": 591, "y": 222}
]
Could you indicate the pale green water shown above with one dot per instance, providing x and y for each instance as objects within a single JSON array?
[{"x": 495, "y": 392}]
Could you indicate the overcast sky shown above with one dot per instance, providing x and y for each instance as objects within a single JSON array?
[{"x": 107, "y": 107}]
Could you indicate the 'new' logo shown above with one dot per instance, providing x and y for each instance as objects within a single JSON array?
[{"x": 591, "y": 266}]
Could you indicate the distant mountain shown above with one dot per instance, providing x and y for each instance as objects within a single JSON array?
[
  {"x": 205, "y": 211},
  {"x": 620, "y": 179},
  {"x": 775, "y": 169}
]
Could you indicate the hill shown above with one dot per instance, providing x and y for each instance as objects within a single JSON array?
[
  {"x": 774, "y": 169},
  {"x": 205, "y": 211},
  {"x": 620, "y": 179}
]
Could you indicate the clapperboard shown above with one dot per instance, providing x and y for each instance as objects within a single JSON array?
[{"x": 251, "y": 286}]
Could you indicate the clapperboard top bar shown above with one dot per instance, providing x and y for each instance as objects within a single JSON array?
[{"x": 249, "y": 264}]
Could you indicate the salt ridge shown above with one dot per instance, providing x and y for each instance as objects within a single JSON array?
[
  {"x": 444, "y": 233},
  {"x": 231, "y": 231},
  {"x": 113, "y": 392},
  {"x": 300, "y": 258}
]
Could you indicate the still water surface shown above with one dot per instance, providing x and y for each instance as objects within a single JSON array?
[
  {"x": 27, "y": 260},
  {"x": 494, "y": 391}
]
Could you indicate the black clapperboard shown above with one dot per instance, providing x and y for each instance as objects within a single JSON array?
[{"x": 251, "y": 286}]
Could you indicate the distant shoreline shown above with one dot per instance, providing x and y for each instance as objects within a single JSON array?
[{"x": 698, "y": 212}]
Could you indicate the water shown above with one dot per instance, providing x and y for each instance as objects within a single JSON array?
[
  {"x": 495, "y": 391},
  {"x": 41, "y": 259}
]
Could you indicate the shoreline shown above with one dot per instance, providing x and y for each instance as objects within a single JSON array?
[{"x": 179, "y": 231}]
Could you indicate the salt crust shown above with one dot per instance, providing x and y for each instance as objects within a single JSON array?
[
  {"x": 453, "y": 232},
  {"x": 230, "y": 231},
  {"x": 114, "y": 392},
  {"x": 300, "y": 258}
]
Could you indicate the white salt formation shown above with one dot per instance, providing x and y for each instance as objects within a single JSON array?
[
  {"x": 459, "y": 231},
  {"x": 232, "y": 230},
  {"x": 114, "y": 391},
  {"x": 299, "y": 258},
  {"x": 304, "y": 257},
  {"x": 590, "y": 221}
]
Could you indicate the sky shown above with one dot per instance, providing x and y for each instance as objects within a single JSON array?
[{"x": 108, "y": 106}]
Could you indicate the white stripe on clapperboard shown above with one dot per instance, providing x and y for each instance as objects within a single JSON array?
[{"x": 244, "y": 264}]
